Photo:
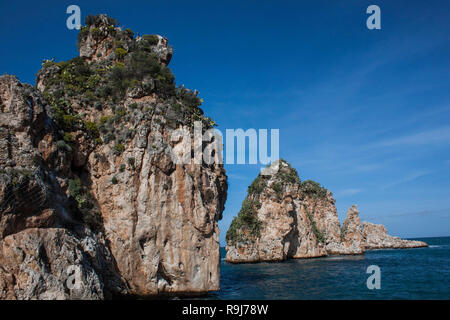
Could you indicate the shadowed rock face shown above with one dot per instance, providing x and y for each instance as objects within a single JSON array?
[
  {"x": 284, "y": 218},
  {"x": 41, "y": 236},
  {"x": 89, "y": 182},
  {"x": 53, "y": 264}
]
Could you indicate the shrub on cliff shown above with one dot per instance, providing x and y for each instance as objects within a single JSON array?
[
  {"x": 68, "y": 138},
  {"x": 75, "y": 188},
  {"x": 119, "y": 148},
  {"x": 245, "y": 226},
  {"x": 72, "y": 77},
  {"x": 188, "y": 97},
  {"x": 92, "y": 129},
  {"x": 129, "y": 32},
  {"x": 152, "y": 39},
  {"x": 313, "y": 189},
  {"x": 69, "y": 122},
  {"x": 120, "y": 53},
  {"x": 257, "y": 186},
  {"x": 141, "y": 64},
  {"x": 96, "y": 20},
  {"x": 319, "y": 235},
  {"x": 278, "y": 188}
]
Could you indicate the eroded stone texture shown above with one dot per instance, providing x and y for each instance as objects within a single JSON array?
[
  {"x": 278, "y": 209},
  {"x": 351, "y": 234},
  {"x": 376, "y": 237},
  {"x": 89, "y": 178},
  {"x": 161, "y": 219},
  {"x": 40, "y": 236},
  {"x": 284, "y": 218},
  {"x": 52, "y": 264}
]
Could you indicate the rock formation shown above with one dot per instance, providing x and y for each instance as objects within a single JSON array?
[
  {"x": 283, "y": 217},
  {"x": 274, "y": 223},
  {"x": 89, "y": 186},
  {"x": 352, "y": 241},
  {"x": 375, "y": 237}
]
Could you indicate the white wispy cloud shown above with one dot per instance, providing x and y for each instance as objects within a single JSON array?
[
  {"x": 441, "y": 212},
  {"x": 406, "y": 179},
  {"x": 440, "y": 135},
  {"x": 368, "y": 167},
  {"x": 347, "y": 192}
]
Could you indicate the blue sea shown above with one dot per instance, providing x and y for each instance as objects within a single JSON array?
[{"x": 422, "y": 273}]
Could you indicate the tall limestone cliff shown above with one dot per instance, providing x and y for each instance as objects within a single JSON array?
[
  {"x": 90, "y": 188},
  {"x": 283, "y": 217}
]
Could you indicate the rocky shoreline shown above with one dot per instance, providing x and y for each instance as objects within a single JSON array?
[{"x": 283, "y": 218}]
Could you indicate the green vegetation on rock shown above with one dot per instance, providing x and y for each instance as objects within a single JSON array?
[
  {"x": 257, "y": 186},
  {"x": 319, "y": 235},
  {"x": 152, "y": 39},
  {"x": 313, "y": 189},
  {"x": 245, "y": 226},
  {"x": 120, "y": 53},
  {"x": 84, "y": 203},
  {"x": 287, "y": 175}
]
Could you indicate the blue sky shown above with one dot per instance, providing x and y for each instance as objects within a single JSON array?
[{"x": 364, "y": 112}]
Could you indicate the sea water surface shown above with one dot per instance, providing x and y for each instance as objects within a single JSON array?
[{"x": 420, "y": 273}]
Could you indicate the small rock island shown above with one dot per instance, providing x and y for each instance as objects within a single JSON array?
[{"x": 283, "y": 217}]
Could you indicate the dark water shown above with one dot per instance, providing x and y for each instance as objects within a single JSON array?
[{"x": 422, "y": 273}]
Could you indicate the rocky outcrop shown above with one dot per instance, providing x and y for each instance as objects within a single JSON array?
[
  {"x": 352, "y": 241},
  {"x": 276, "y": 221},
  {"x": 53, "y": 264},
  {"x": 284, "y": 218},
  {"x": 375, "y": 237},
  {"x": 42, "y": 239},
  {"x": 91, "y": 181},
  {"x": 98, "y": 40}
]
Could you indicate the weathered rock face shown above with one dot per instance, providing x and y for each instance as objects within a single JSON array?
[
  {"x": 284, "y": 218},
  {"x": 23, "y": 187},
  {"x": 275, "y": 222},
  {"x": 321, "y": 204},
  {"x": 161, "y": 219},
  {"x": 92, "y": 151},
  {"x": 38, "y": 249},
  {"x": 375, "y": 237},
  {"x": 352, "y": 241},
  {"x": 53, "y": 264}
]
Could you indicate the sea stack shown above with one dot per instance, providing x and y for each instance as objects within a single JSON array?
[
  {"x": 88, "y": 181},
  {"x": 283, "y": 217},
  {"x": 376, "y": 237}
]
